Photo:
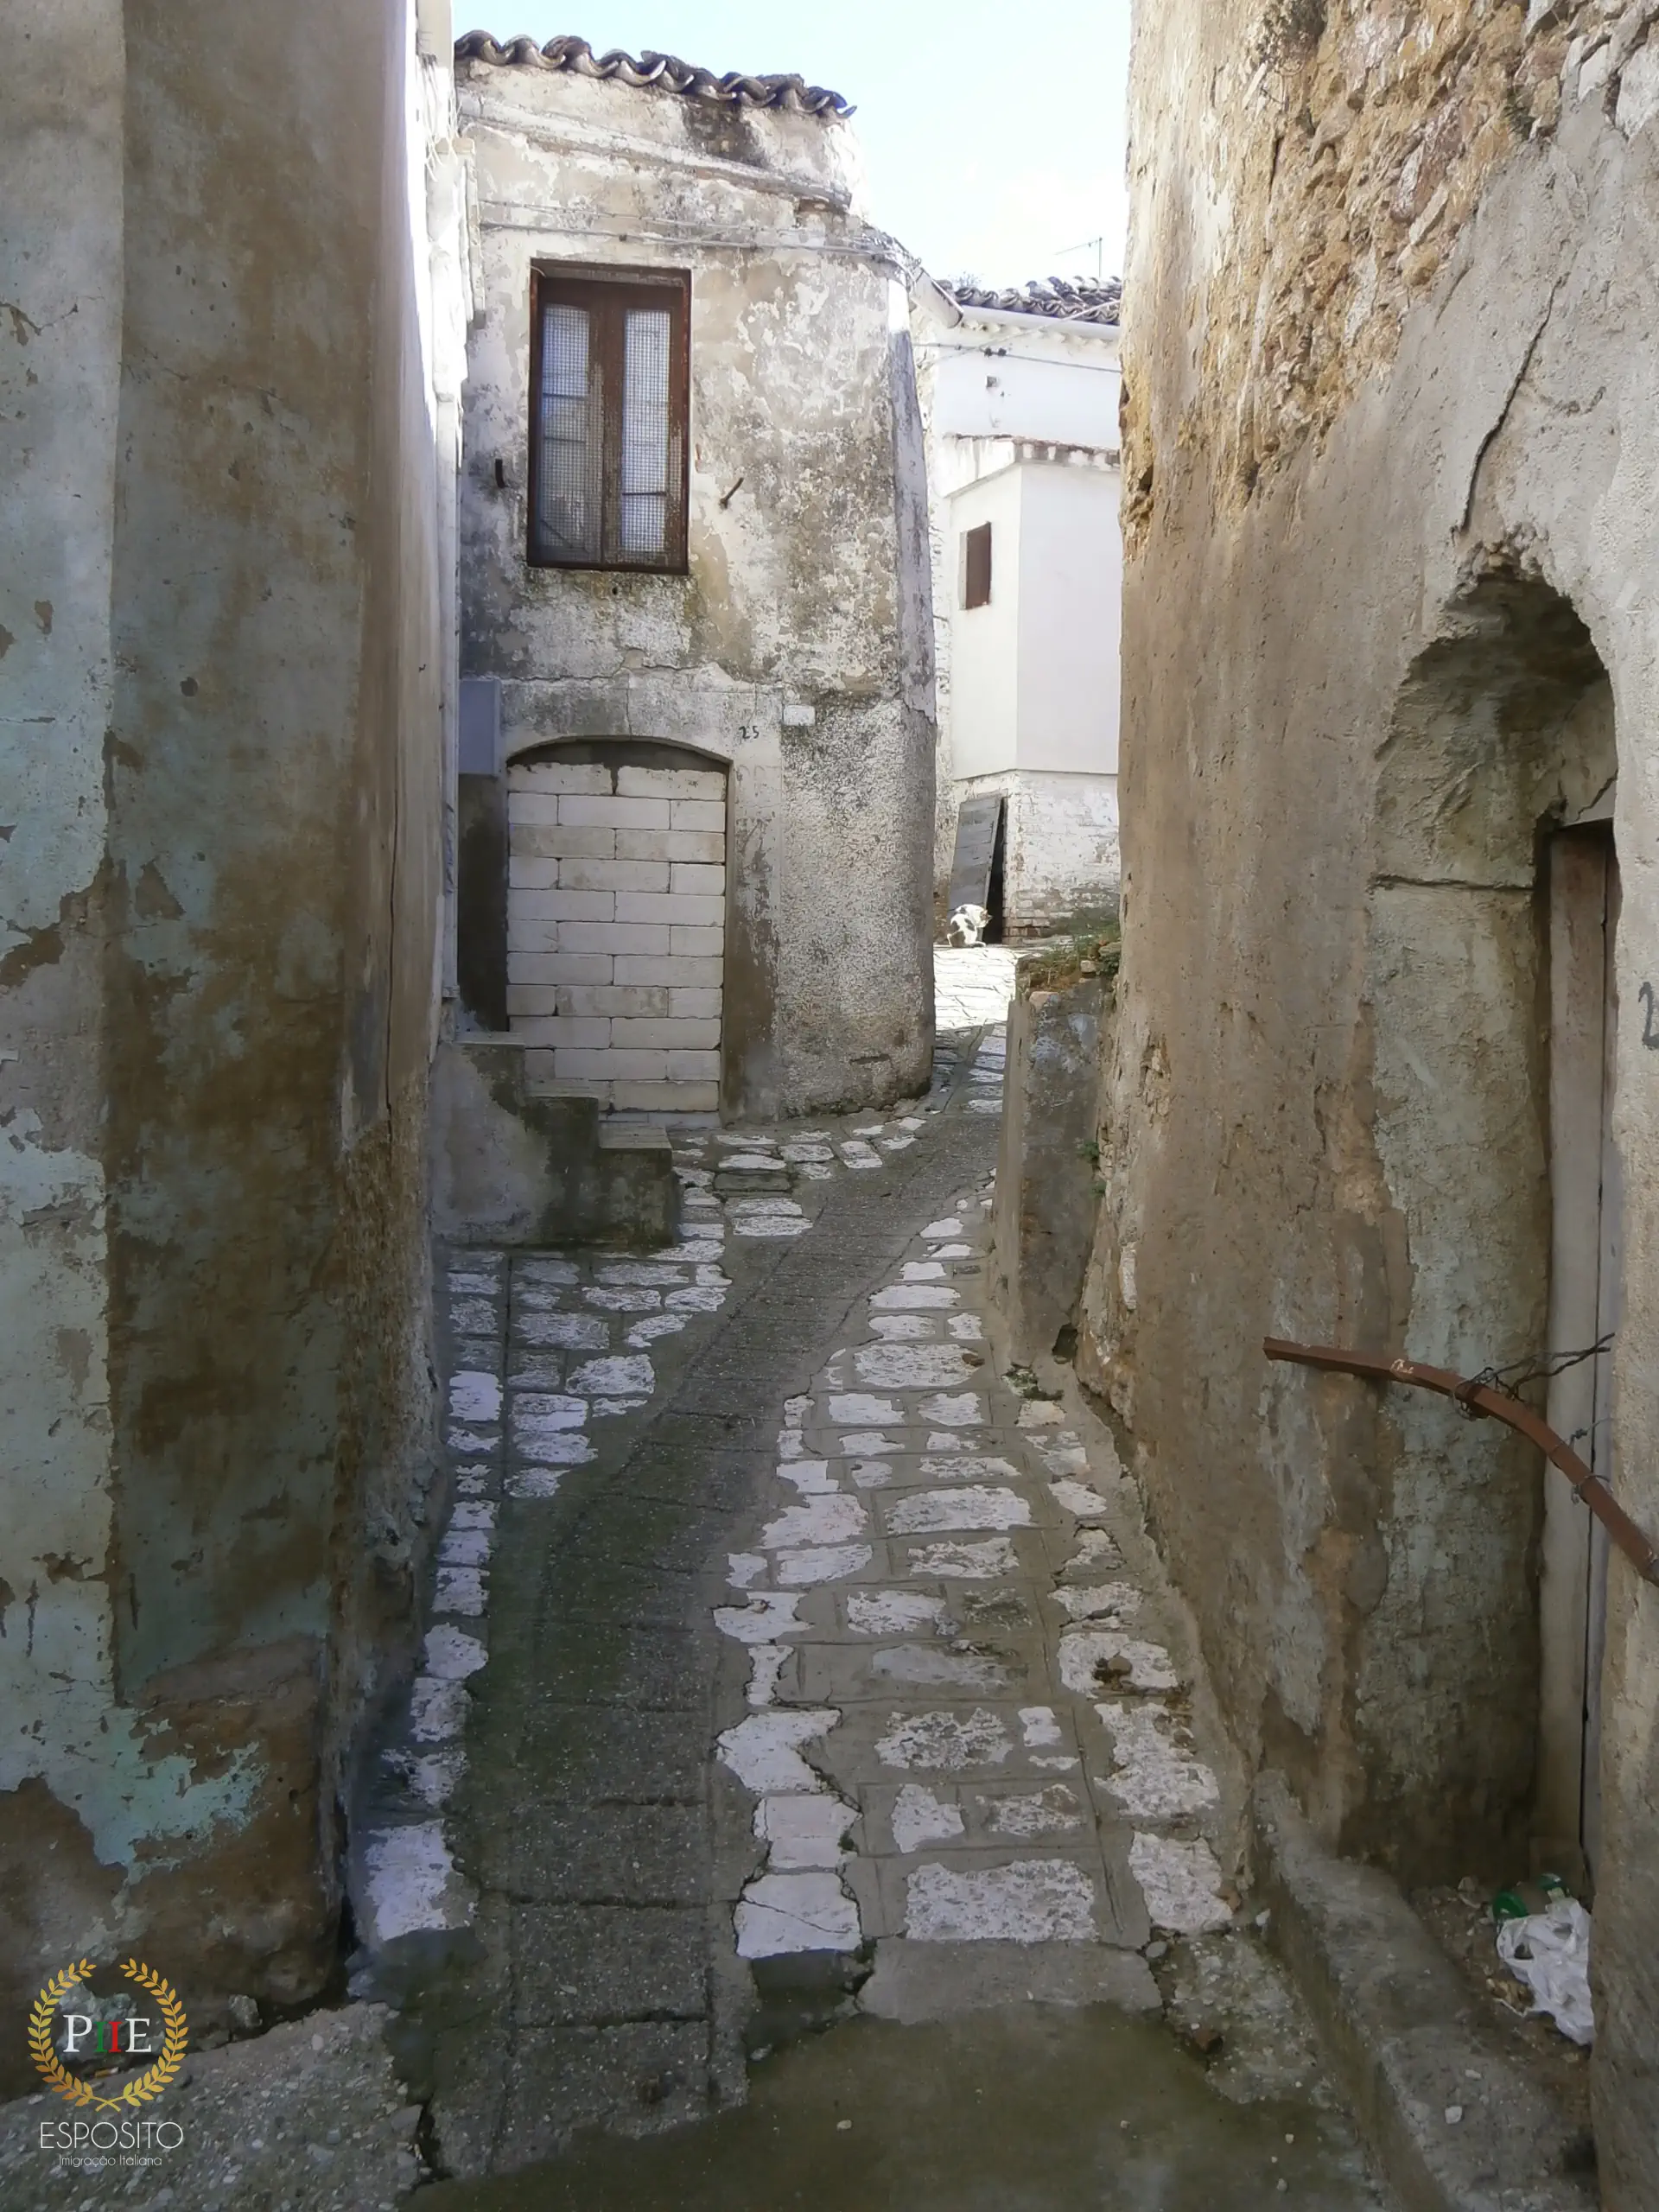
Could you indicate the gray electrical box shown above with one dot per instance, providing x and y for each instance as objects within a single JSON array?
[{"x": 480, "y": 749}]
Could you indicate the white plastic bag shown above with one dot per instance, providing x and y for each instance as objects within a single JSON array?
[{"x": 1550, "y": 1953}]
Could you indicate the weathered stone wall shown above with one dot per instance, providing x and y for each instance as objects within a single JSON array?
[
  {"x": 1391, "y": 453},
  {"x": 61, "y": 1859},
  {"x": 221, "y": 608},
  {"x": 798, "y": 648},
  {"x": 1344, "y": 146},
  {"x": 1045, "y": 1179}
]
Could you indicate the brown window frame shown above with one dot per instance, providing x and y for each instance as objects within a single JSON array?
[
  {"x": 975, "y": 580},
  {"x": 606, "y": 293}
]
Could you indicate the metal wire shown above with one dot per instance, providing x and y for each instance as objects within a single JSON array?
[{"x": 1514, "y": 1378}]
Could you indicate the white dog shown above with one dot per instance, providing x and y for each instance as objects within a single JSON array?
[{"x": 967, "y": 925}]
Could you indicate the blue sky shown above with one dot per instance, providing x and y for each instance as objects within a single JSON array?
[{"x": 993, "y": 136}]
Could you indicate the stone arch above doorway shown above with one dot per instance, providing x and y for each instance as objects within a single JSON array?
[
  {"x": 1502, "y": 732},
  {"x": 616, "y": 921}
]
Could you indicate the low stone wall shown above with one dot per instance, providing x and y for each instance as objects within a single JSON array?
[{"x": 1045, "y": 1178}]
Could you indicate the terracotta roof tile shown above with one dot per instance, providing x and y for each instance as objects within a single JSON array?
[
  {"x": 1064, "y": 299},
  {"x": 663, "y": 71}
]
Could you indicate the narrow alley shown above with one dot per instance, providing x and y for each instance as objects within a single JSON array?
[
  {"x": 807, "y": 1752},
  {"x": 921, "y": 1748},
  {"x": 828, "y": 1242}
]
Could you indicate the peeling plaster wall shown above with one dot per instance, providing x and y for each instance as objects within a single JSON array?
[
  {"x": 1386, "y": 533},
  {"x": 224, "y": 741},
  {"x": 799, "y": 648},
  {"x": 61, "y": 173}
]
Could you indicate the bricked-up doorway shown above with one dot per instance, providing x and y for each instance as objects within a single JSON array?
[{"x": 616, "y": 921}]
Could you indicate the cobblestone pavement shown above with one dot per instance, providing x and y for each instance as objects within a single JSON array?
[
  {"x": 953, "y": 1588},
  {"x": 540, "y": 1873},
  {"x": 788, "y": 1665},
  {"x": 830, "y": 1675}
]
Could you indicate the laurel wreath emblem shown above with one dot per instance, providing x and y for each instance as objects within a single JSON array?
[{"x": 143, "y": 2087}]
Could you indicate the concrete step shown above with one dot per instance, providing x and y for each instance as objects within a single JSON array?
[
  {"x": 732, "y": 1181},
  {"x": 1458, "y": 2120},
  {"x": 518, "y": 1161},
  {"x": 549, "y": 1086},
  {"x": 625, "y": 1136}
]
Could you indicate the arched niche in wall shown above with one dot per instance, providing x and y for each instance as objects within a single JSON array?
[
  {"x": 616, "y": 920},
  {"x": 1502, "y": 736}
]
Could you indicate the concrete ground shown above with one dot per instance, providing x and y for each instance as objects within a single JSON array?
[
  {"x": 1026, "y": 2108},
  {"x": 809, "y": 1794}
]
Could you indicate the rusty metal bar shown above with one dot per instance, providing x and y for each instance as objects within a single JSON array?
[{"x": 1479, "y": 1398}]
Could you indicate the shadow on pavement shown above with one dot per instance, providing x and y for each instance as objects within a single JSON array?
[{"x": 1034, "y": 2108}]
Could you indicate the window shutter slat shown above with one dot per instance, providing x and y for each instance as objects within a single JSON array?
[
  {"x": 570, "y": 485},
  {"x": 644, "y": 430}
]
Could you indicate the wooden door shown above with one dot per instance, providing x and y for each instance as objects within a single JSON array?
[{"x": 1585, "y": 1277}]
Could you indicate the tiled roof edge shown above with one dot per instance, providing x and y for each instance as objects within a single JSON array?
[
  {"x": 664, "y": 71},
  {"x": 1062, "y": 298}
]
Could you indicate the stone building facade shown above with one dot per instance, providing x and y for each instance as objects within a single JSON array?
[
  {"x": 696, "y": 841},
  {"x": 224, "y": 627},
  {"x": 1384, "y": 1073},
  {"x": 1019, "y": 391}
]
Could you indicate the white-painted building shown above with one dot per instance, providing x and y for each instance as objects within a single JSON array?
[{"x": 1019, "y": 392}]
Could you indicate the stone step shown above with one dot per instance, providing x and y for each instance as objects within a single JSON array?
[
  {"x": 730, "y": 1181},
  {"x": 634, "y": 1137}
]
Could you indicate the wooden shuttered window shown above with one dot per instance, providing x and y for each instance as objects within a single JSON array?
[
  {"x": 609, "y": 387},
  {"x": 977, "y": 566}
]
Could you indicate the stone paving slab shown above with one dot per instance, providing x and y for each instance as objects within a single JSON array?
[
  {"x": 972, "y": 985},
  {"x": 846, "y": 1673},
  {"x": 913, "y": 1982},
  {"x": 983, "y": 1679},
  {"x": 986, "y": 1813},
  {"x": 610, "y": 1962},
  {"x": 948, "y": 1559}
]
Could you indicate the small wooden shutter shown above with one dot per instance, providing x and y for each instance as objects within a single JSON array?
[{"x": 977, "y": 566}]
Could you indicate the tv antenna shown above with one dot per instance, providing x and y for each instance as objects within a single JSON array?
[{"x": 1097, "y": 247}]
